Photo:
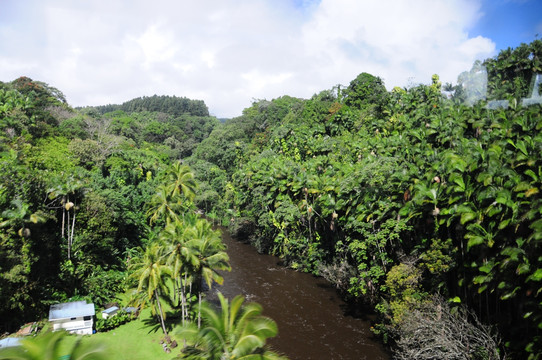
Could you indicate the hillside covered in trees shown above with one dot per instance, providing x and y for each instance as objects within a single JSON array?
[
  {"x": 413, "y": 202},
  {"x": 74, "y": 191}
]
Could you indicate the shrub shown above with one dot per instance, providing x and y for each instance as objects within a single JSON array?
[{"x": 113, "y": 322}]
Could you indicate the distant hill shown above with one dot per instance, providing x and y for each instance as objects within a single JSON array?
[{"x": 173, "y": 105}]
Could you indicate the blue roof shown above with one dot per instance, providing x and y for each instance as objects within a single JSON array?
[
  {"x": 110, "y": 310},
  {"x": 70, "y": 310},
  {"x": 9, "y": 342}
]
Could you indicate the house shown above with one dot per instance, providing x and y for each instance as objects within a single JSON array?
[
  {"x": 75, "y": 317},
  {"x": 9, "y": 342},
  {"x": 110, "y": 312}
]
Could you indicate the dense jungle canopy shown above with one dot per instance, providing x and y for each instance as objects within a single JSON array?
[{"x": 411, "y": 201}]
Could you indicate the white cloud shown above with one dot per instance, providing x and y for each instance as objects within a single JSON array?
[
  {"x": 157, "y": 45},
  {"x": 396, "y": 40},
  {"x": 228, "y": 52}
]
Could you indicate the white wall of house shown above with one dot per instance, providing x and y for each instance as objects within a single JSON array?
[{"x": 76, "y": 325}]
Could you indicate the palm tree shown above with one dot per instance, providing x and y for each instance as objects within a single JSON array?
[
  {"x": 62, "y": 192},
  {"x": 163, "y": 205},
  {"x": 211, "y": 257},
  {"x": 181, "y": 257},
  {"x": 169, "y": 199},
  {"x": 151, "y": 273},
  {"x": 181, "y": 181},
  {"x": 236, "y": 332},
  {"x": 49, "y": 346}
]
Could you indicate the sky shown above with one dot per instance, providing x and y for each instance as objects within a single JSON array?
[{"x": 230, "y": 53}]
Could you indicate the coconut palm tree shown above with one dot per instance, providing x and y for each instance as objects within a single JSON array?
[
  {"x": 181, "y": 257},
  {"x": 236, "y": 332},
  {"x": 174, "y": 195},
  {"x": 163, "y": 206},
  {"x": 49, "y": 346},
  {"x": 211, "y": 254},
  {"x": 151, "y": 272},
  {"x": 181, "y": 181}
]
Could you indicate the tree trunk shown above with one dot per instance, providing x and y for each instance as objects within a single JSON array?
[
  {"x": 175, "y": 292},
  {"x": 185, "y": 294},
  {"x": 73, "y": 227},
  {"x": 68, "y": 231},
  {"x": 161, "y": 314},
  {"x": 63, "y": 220},
  {"x": 183, "y": 299},
  {"x": 199, "y": 311}
]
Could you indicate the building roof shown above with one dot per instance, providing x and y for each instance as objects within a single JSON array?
[
  {"x": 130, "y": 309},
  {"x": 70, "y": 310},
  {"x": 110, "y": 310},
  {"x": 9, "y": 342}
]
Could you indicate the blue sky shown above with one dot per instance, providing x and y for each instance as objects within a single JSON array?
[
  {"x": 229, "y": 52},
  {"x": 509, "y": 23}
]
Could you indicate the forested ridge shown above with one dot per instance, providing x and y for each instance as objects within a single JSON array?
[
  {"x": 411, "y": 202},
  {"x": 172, "y": 105}
]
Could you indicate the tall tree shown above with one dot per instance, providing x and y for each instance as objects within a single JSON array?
[
  {"x": 174, "y": 196},
  {"x": 180, "y": 180},
  {"x": 162, "y": 206},
  {"x": 66, "y": 194},
  {"x": 182, "y": 257},
  {"x": 151, "y": 272},
  {"x": 211, "y": 257}
]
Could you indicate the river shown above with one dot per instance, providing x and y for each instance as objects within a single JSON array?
[{"x": 309, "y": 313}]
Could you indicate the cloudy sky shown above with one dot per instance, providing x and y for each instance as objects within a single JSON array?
[{"x": 230, "y": 52}]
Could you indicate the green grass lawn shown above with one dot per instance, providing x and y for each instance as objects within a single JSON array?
[{"x": 136, "y": 340}]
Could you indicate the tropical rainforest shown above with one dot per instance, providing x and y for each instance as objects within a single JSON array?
[{"x": 413, "y": 202}]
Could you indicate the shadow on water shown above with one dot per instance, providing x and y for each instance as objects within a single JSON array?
[{"x": 313, "y": 321}]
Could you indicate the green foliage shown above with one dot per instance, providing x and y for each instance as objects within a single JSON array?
[
  {"x": 113, "y": 322},
  {"x": 73, "y": 192},
  {"x": 236, "y": 332},
  {"x": 353, "y": 183},
  {"x": 510, "y": 73},
  {"x": 172, "y": 105},
  {"x": 366, "y": 91},
  {"x": 404, "y": 293},
  {"x": 50, "y": 346}
]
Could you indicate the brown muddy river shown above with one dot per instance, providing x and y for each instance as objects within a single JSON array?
[{"x": 309, "y": 313}]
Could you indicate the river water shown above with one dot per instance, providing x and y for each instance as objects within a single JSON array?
[{"x": 309, "y": 313}]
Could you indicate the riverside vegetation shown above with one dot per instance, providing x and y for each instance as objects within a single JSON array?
[{"x": 408, "y": 201}]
